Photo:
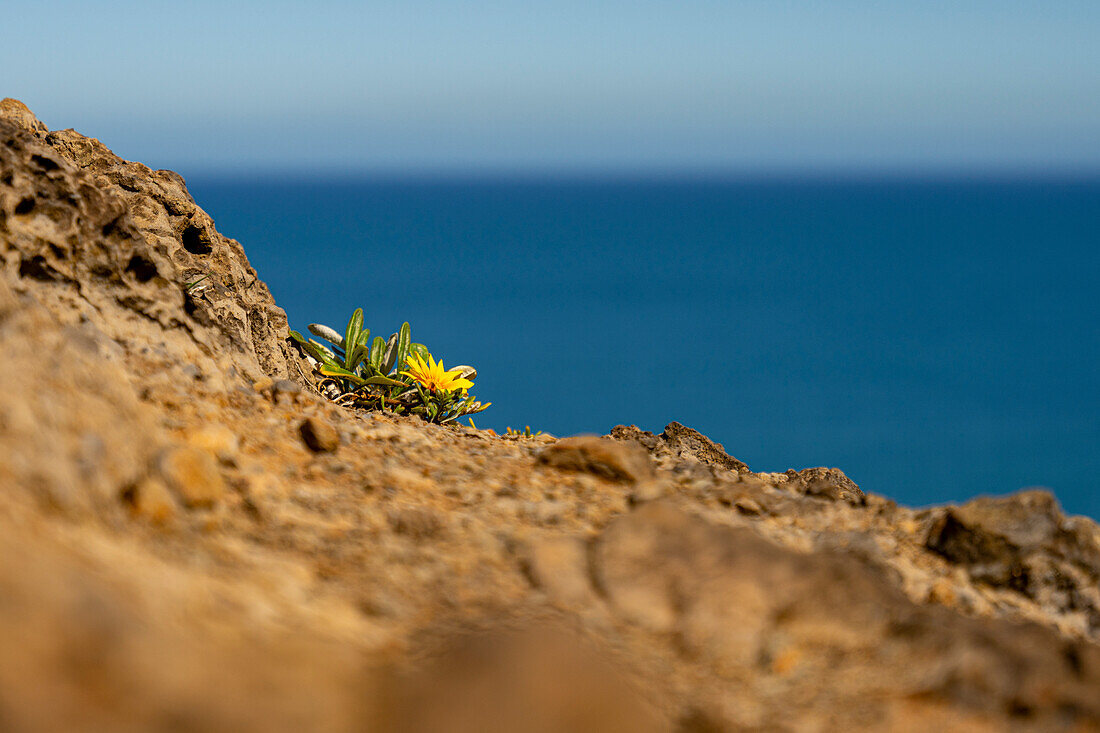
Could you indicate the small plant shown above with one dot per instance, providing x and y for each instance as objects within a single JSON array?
[
  {"x": 191, "y": 286},
  {"x": 525, "y": 433},
  {"x": 392, "y": 374}
]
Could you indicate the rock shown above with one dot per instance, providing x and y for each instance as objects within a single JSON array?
[
  {"x": 263, "y": 384},
  {"x": 541, "y": 679},
  {"x": 644, "y": 438},
  {"x": 718, "y": 588},
  {"x": 232, "y": 299},
  {"x": 559, "y": 567},
  {"x": 648, "y": 491},
  {"x": 686, "y": 441},
  {"x": 748, "y": 505},
  {"x": 1024, "y": 520},
  {"x": 1021, "y": 542},
  {"x": 418, "y": 560},
  {"x": 677, "y": 441},
  {"x": 825, "y": 483},
  {"x": 65, "y": 201},
  {"x": 150, "y": 499},
  {"x": 262, "y": 486},
  {"x": 607, "y": 458},
  {"x": 404, "y": 480},
  {"x": 75, "y": 437},
  {"x": 16, "y": 112},
  {"x": 218, "y": 440},
  {"x": 319, "y": 435},
  {"x": 192, "y": 473}
]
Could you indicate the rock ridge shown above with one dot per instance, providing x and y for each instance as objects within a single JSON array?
[{"x": 192, "y": 539}]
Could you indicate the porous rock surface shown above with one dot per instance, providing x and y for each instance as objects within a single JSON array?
[{"x": 185, "y": 545}]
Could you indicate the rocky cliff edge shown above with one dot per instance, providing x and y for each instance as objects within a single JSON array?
[{"x": 177, "y": 555}]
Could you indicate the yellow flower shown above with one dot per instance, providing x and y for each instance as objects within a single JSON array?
[{"x": 432, "y": 375}]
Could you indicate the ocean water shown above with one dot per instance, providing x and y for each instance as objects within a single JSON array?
[{"x": 935, "y": 339}]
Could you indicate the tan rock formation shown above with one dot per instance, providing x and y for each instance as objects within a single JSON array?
[{"x": 179, "y": 551}]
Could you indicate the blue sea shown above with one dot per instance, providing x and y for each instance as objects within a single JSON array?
[{"x": 934, "y": 338}]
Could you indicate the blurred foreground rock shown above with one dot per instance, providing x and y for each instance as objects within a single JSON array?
[{"x": 190, "y": 542}]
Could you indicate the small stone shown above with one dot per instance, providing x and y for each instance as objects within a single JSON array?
[
  {"x": 261, "y": 486},
  {"x": 748, "y": 506},
  {"x": 219, "y": 440},
  {"x": 647, "y": 491},
  {"x": 943, "y": 593},
  {"x": 263, "y": 383},
  {"x": 319, "y": 435},
  {"x": 192, "y": 473},
  {"x": 151, "y": 500},
  {"x": 618, "y": 461}
]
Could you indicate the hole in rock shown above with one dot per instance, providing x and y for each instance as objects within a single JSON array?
[
  {"x": 141, "y": 267},
  {"x": 25, "y": 206},
  {"x": 36, "y": 268},
  {"x": 196, "y": 241},
  {"x": 45, "y": 163}
]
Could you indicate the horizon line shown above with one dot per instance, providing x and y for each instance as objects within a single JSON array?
[{"x": 748, "y": 174}]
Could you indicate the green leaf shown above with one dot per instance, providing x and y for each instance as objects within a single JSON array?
[
  {"x": 322, "y": 348},
  {"x": 403, "y": 340},
  {"x": 377, "y": 350},
  {"x": 355, "y": 325},
  {"x": 420, "y": 351},
  {"x": 311, "y": 347},
  {"x": 383, "y": 381},
  {"x": 389, "y": 358},
  {"x": 359, "y": 353},
  {"x": 478, "y": 407},
  {"x": 331, "y": 370}
]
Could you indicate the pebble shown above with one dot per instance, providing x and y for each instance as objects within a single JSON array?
[
  {"x": 263, "y": 383},
  {"x": 748, "y": 506},
  {"x": 647, "y": 491},
  {"x": 318, "y": 435},
  {"x": 192, "y": 474},
  {"x": 151, "y": 500},
  {"x": 219, "y": 440}
]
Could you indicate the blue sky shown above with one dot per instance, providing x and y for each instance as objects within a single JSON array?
[{"x": 565, "y": 85}]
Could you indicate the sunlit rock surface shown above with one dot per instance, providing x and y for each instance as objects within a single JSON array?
[{"x": 185, "y": 545}]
